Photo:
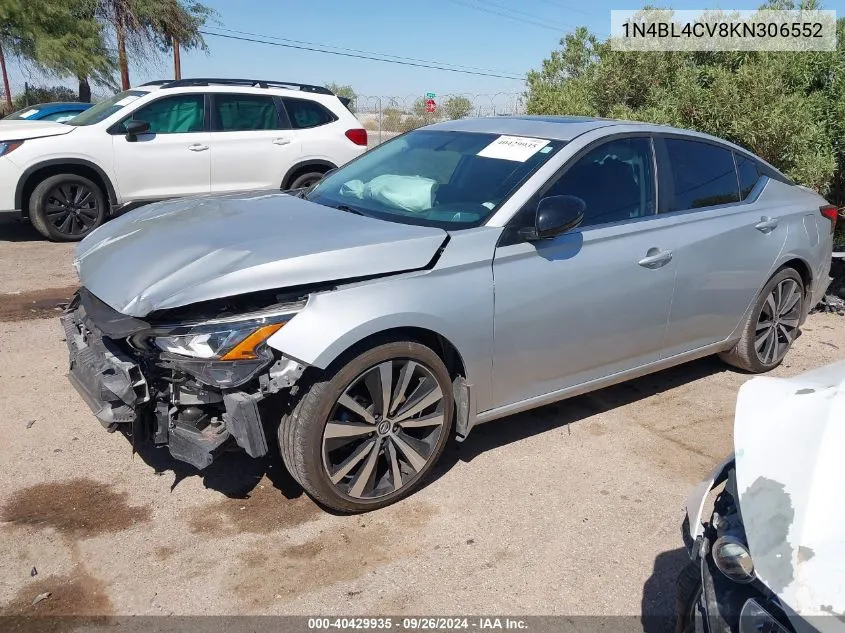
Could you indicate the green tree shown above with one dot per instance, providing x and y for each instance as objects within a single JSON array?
[
  {"x": 345, "y": 91},
  {"x": 786, "y": 107},
  {"x": 58, "y": 37},
  {"x": 42, "y": 94},
  {"x": 457, "y": 107},
  {"x": 144, "y": 27}
]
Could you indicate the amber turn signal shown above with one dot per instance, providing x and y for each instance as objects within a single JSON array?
[{"x": 245, "y": 350}]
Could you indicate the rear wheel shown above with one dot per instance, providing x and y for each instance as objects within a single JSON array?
[
  {"x": 66, "y": 207},
  {"x": 304, "y": 181},
  {"x": 772, "y": 326},
  {"x": 369, "y": 432}
]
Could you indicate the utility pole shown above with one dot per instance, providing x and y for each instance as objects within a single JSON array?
[{"x": 177, "y": 61}]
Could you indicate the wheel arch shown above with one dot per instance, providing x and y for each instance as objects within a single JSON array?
[
  {"x": 441, "y": 345},
  {"x": 304, "y": 167},
  {"x": 78, "y": 166},
  {"x": 802, "y": 268}
]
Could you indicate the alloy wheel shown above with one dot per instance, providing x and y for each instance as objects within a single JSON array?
[
  {"x": 72, "y": 208},
  {"x": 383, "y": 430},
  {"x": 777, "y": 325}
]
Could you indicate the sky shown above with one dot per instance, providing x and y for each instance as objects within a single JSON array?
[{"x": 496, "y": 37}]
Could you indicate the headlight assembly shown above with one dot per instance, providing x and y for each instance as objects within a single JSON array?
[
  {"x": 7, "y": 147},
  {"x": 234, "y": 342},
  {"x": 224, "y": 352},
  {"x": 733, "y": 559}
]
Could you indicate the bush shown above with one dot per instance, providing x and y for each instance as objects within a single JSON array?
[{"x": 42, "y": 94}]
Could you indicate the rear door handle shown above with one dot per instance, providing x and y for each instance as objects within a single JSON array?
[
  {"x": 281, "y": 141},
  {"x": 196, "y": 147},
  {"x": 766, "y": 225},
  {"x": 655, "y": 258}
]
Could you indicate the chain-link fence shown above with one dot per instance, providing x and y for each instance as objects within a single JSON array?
[{"x": 387, "y": 116}]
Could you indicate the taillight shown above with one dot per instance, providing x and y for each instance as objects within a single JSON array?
[
  {"x": 357, "y": 136},
  {"x": 831, "y": 213}
]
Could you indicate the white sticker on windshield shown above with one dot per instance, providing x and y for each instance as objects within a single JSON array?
[
  {"x": 516, "y": 148},
  {"x": 28, "y": 113},
  {"x": 126, "y": 100}
]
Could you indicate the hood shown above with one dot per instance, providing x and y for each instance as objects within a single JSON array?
[
  {"x": 790, "y": 468},
  {"x": 184, "y": 251},
  {"x": 20, "y": 130}
]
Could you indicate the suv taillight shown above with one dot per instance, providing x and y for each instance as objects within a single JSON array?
[
  {"x": 831, "y": 213},
  {"x": 357, "y": 136}
]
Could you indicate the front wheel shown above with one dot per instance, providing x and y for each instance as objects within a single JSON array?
[
  {"x": 368, "y": 433},
  {"x": 66, "y": 207},
  {"x": 772, "y": 326}
]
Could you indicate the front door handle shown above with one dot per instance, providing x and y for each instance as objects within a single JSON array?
[
  {"x": 281, "y": 141},
  {"x": 197, "y": 147},
  {"x": 655, "y": 258},
  {"x": 766, "y": 225}
]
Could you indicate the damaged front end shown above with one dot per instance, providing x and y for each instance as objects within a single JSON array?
[{"x": 191, "y": 380}]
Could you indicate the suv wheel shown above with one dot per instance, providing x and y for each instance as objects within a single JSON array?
[
  {"x": 368, "y": 433},
  {"x": 306, "y": 180},
  {"x": 66, "y": 207},
  {"x": 772, "y": 326}
]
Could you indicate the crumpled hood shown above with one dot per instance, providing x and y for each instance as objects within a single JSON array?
[
  {"x": 20, "y": 130},
  {"x": 790, "y": 467},
  {"x": 184, "y": 251}
]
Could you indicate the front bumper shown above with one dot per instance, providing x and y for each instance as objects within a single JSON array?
[
  {"x": 149, "y": 401},
  {"x": 111, "y": 384}
]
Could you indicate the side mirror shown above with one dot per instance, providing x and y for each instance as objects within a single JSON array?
[
  {"x": 555, "y": 215},
  {"x": 134, "y": 128}
]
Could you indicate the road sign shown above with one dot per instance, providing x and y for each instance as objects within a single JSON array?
[
  {"x": 430, "y": 95},
  {"x": 430, "y": 105}
]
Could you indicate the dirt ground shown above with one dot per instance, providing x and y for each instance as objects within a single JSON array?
[{"x": 571, "y": 509}]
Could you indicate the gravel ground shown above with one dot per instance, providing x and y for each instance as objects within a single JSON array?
[{"x": 570, "y": 509}]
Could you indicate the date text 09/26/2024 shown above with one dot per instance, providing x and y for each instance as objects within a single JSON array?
[{"x": 418, "y": 624}]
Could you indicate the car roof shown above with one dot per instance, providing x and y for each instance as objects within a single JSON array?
[{"x": 561, "y": 128}]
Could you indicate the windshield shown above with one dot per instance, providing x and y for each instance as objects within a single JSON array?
[
  {"x": 446, "y": 179},
  {"x": 105, "y": 109},
  {"x": 25, "y": 113}
]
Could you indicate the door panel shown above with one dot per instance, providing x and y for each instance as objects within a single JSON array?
[
  {"x": 579, "y": 307},
  {"x": 173, "y": 159},
  {"x": 725, "y": 253},
  {"x": 252, "y": 145},
  {"x": 252, "y": 160},
  {"x": 723, "y": 262},
  {"x": 594, "y": 301}
]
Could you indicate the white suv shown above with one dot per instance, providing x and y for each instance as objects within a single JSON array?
[{"x": 169, "y": 139}]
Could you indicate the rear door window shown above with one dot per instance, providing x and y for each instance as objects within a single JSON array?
[
  {"x": 703, "y": 175},
  {"x": 242, "y": 112},
  {"x": 305, "y": 114}
]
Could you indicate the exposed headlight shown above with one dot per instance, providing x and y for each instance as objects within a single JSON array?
[
  {"x": 224, "y": 353},
  {"x": 7, "y": 147},
  {"x": 755, "y": 619},
  {"x": 225, "y": 340},
  {"x": 733, "y": 559}
]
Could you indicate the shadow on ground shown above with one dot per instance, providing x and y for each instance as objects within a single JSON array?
[
  {"x": 235, "y": 474},
  {"x": 658, "y": 603},
  {"x": 14, "y": 230}
]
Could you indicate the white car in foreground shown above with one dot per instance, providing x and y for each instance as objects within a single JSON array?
[
  {"x": 771, "y": 556},
  {"x": 170, "y": 139}
]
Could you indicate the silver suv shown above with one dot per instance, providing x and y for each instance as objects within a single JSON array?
[{"x": 460, "y": 273}]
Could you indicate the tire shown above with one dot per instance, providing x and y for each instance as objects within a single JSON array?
[
  {"x": 306, "y": 180},
  {"x": 66, "y": 207},
  {"x": 355, "y": 464},
  {"x": 756, "y": 354},
  {"x": 687, "y": 596}
]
